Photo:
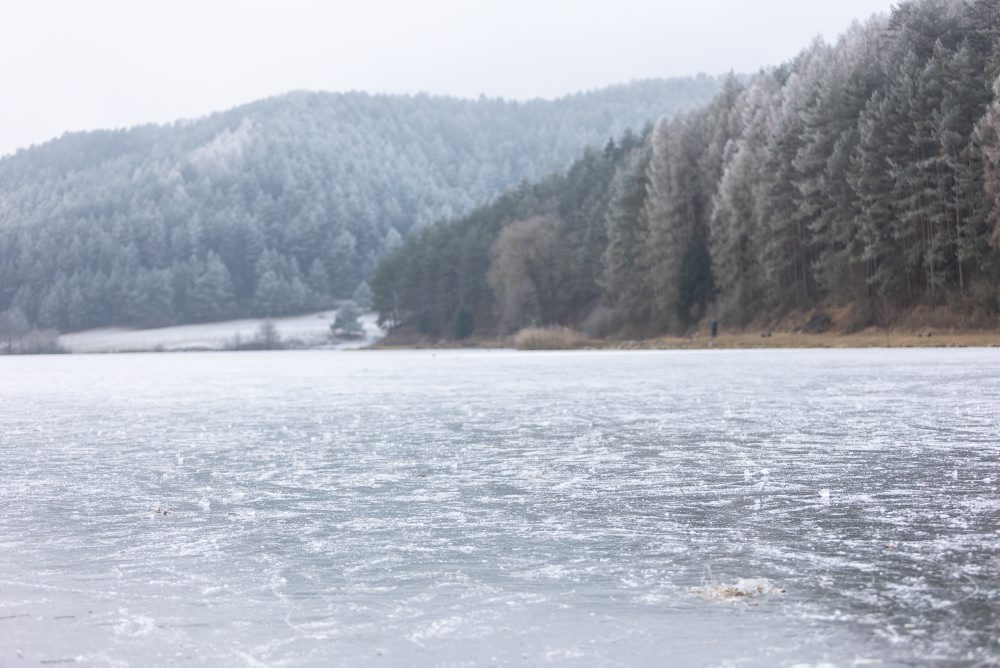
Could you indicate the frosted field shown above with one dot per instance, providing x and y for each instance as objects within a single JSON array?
[
  {"x": 460, "y": 508},
  {"x": 310, "y": 330}
]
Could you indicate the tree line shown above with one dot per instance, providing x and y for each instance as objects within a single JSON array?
[
  {"x": 276, "y": 207},
  {"x": 862, "y": 173}
]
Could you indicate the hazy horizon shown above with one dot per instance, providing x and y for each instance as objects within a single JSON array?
[{"x": 111, "y": 64}]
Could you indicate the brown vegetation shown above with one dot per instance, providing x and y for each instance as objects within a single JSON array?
[
  {"x": 751, "y": 338},
  {"x": 869, "y": 338},
  {"x": 526, "y": 274},
  {"x": 550, "y": 338},
  {"x": 835, "y": 327}
]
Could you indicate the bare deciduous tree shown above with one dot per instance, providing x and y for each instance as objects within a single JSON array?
[
  {"x": 526, "y": 273},
  {"x": 13, "y": 327}
]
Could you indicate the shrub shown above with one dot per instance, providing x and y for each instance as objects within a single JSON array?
[
  {"x": 549, "y": 338},
  {"x": 347, "y": 324},
  {"x": 40, "y": 342},
  {"x": 267, "y": 337},
  {"x": 602, "y": 322}
]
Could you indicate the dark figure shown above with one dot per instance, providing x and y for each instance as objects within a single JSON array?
[{"x": 715, "y": 328}]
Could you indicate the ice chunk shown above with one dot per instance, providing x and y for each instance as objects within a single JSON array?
[{"x": 745, "y": 589}]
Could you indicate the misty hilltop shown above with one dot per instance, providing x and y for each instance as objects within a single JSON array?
[{"x": 280, "y": 205}]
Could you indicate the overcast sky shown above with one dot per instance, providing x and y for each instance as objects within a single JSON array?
[{"x": 76, "y": 65}]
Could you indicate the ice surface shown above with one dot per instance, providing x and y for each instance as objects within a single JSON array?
[{"x": 414, "y": 508}]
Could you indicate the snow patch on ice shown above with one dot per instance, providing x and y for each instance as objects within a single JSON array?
[{"x": 745, "y": 589}]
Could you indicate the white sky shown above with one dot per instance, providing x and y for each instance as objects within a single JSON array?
[{"x": 85, "y": 64}]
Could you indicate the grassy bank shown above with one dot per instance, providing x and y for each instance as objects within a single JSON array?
[
  {"x": 562, "y": 339},
  {"x": 864, "y": 339}
]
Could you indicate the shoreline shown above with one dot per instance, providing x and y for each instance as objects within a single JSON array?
[
  {"x": 734, "y": 341},
  {"x": 871, "y": 338}
]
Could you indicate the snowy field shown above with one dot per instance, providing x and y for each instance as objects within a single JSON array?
[
  {"x": 310, "y": 330},
  {"x": 317, "y": 508}
]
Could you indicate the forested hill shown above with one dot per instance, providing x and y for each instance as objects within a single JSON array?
[
  {"x": 864, "y": 174},
  {"x": 277, "y": 206}
]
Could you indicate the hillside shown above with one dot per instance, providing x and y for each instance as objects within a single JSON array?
[
  {"x": 861, "y": 175},
  {"x": 279, "y": 206}
]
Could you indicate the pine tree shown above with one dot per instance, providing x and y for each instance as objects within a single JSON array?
[
  {"x": 987, "y": 135},
  {"x": 211, "y": 295},
  {"x": 347, "y": 323},
  {"x": 624, "y": 282},
  {"x": 150, "y": 299},
  {"x": 272, "y": 295},
  {"x": 829, "y": 204},
  {"x": 342, "y": 257},
  {"x": 670, "y": 221},
  {"x": 871, "y": 179},
  {"x": 735, "y": 232},
  {"x": 785, "y": 247},
  {"x": 362, "y": 296},
  {"x": 319, "y": 283},
  {"x": 964, "y": 101},
  {"x": 677, "y": 253}
]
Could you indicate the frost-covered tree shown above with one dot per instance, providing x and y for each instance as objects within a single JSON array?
[
  {"x": 679, "y": 265},
  {"x": 149, "y": 299},
  {"x": 861, "y": 173},
  {"x": 336, "y": 178},
  {"x": 319, "y": 280},
  {"x": 211, "y": 293},
  {"x": 625, "y": 282},
  {"x": 736, "y": 232},
  {"x": 362, "y": 296},
  {"x": 347, "y": 323},
  {"x": 988, "y": 143}
]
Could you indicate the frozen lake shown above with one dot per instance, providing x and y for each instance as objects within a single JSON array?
[{"x": 457, "y": 508}]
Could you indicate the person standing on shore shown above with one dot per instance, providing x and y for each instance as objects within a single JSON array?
[{"x": 715, "y": 328}]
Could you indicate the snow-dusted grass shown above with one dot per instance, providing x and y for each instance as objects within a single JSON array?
[{"x": 312, "y": 330}]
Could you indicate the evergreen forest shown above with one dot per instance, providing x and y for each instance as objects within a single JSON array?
[
  {"x": 862, "y": 174},
  {"x": 281, "y": 206}
]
